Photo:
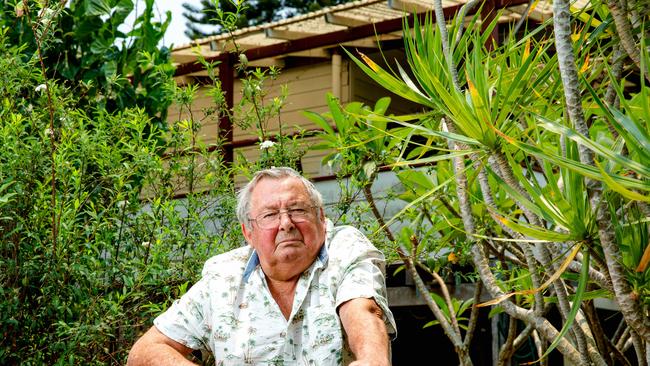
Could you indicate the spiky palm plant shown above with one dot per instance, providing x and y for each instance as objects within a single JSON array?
[{"x": 550, "y": 154}]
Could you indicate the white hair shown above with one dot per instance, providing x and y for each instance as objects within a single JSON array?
[{"x": 244, "y": 195}]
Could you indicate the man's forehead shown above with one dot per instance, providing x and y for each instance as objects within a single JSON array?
[
  {"x": 291, "y": 189},
  {"x": 285, "y": 183}
]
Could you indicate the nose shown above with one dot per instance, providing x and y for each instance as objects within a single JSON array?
[{"x": 286, "y": 223}]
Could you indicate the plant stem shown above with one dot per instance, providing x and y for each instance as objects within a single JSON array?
[
  {"x": 527, "y": 250},
  {"x": 473, "y": 317},
  {"x": 624, "y": 31},
  {"x": 447, "y": 297},
  {"x": 507, "y": 350},
  {"x": 367, "y": 191},
  {"x": 627, "y": 300},
  {"x": 463, "y": 356},
  {"x": 444, "y": 36},
  {"x": 611, "y": 97},
  {"x": 52, "y": 135}
]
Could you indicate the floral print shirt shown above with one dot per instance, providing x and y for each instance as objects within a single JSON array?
[{"x": 231, "y": 313}]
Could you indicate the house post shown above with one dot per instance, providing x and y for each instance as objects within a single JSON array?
[{"x": 227, "y": 78}]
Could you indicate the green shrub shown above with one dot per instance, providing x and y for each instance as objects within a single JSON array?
[{"x": 85, "y": 270}]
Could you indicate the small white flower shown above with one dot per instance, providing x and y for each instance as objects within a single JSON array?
[
  {"x": 40, "y": 88},
  {"x": 46, "y": 14},
  {"x": 48, "y": 132},
  {"x": 146, "y": 244},
  {"x": 266, "y": 144},
  {"x": 443, "y": 125},
  {"x": 122, "y": 203}
]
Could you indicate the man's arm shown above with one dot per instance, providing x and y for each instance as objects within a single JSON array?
[
  {"x": 364, "y": 326},
  {"x": 155, "y": 348}
]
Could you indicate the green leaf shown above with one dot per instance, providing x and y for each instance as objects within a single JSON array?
[
  {"x": 577, "y": 301},
  {"x": 424, "y": 131},
  {"x": 110, "y": 69},
  {"x": 582, "y": 169},
  {"x": 320, "y": 121},
  {"x": 516, "y": 195},
  {"x": 431, "y": 323},
  {"x": 588, "y": 295},
  {"x": 464, "y": 306},
  {"x": 495, "y": 310},
  {"x": 442, "y": 304},
  {"x": 399, "y": 269},
  {"x": 101, "y": 46},
  {"x": 98, "y": 7},
  {"x": 339, "y": 118},
  {"x": 431, "y": 159},
  {"x": 538, "y": 232},
  {"x": 390, "y": 82},
  {"x": 635, "y": 135},
  {"x": 413, "y": 178},
  {"x": 122, "y": 11},
  {"x": 611, "y": 183},
  {"x": 382, "y": 105},
  {"x": 421, "y": 198},
  {"x": 594, "y": 146}
]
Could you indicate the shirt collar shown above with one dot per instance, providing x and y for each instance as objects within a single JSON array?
[{"x": 254, "y": 259}]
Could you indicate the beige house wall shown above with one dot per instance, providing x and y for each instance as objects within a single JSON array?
[{"x": 307, "y": 87}]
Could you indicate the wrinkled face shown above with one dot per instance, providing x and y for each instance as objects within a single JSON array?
[{"x": 288, "y": 248}]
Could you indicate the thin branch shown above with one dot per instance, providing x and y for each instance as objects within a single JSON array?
[
  {"x": 444, "y": 35},
  {"x": 52, "y": 134},
  {"x": 507, "y": 350},
  {"x": 435, "y": 309},
  {"x": 639, "y": 349},
  {"x": 474, "y": 314},
  {"x": 539, "y": 346}
]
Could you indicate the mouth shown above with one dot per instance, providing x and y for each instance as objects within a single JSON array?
[{"x": 295, "y": 241}]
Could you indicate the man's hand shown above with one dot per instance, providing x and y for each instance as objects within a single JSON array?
[
  {"x": 155, "y": 348},
  {"x": 364, "y": 326}
]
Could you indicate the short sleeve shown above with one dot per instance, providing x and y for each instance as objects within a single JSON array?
[
  {"x": 362, "y": 272},
  {"x": 185, "y": 321}
]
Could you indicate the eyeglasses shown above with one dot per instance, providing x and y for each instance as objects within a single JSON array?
[{"x": 271, "y": 219}]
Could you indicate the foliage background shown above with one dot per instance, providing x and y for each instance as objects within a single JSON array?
[
  {"x": 94, "y": 237},
  {"x": 105, "y": 217}
]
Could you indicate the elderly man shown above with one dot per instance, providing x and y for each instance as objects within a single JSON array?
[{"x": 302, "y": 293}]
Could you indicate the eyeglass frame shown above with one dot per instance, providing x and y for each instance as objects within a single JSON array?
[{"x": 287, "y": 211}]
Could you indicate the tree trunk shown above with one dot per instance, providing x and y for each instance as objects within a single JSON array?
[
  {"x": 624, "y": 31},
  {"x": 569, "y": 73},
  {"x": 627, "y": 299}
]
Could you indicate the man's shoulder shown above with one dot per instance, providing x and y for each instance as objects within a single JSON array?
[
  {"x": 345, "y": 234},
  {"x": 230, "y": 263},
  {"x": 345, "y": 240}
]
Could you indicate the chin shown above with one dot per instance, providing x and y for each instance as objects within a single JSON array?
[{"x": 291, "y": 252}]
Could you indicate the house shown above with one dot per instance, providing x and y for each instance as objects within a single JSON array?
[{"x": 309, "y": 51}]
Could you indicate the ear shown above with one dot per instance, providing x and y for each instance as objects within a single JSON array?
[
  {"x": 322, "y": 218},
  {"x": 247, "y": 234}
]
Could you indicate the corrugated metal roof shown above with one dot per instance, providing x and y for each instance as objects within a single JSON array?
[
  {"x": 283, "y": 22},
  {"x": 334, "y": 19}
]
